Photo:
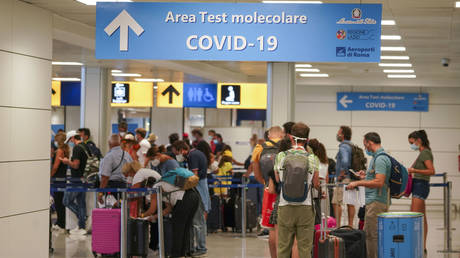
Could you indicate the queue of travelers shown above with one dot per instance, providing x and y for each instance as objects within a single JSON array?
[{"x": 135, "y": 160}]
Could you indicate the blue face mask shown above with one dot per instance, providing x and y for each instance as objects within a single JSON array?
[
  {"x": 215, "y": 141},
  {"x": 71, "y": 144},
  {"x": 414, "y": 147},
  {"x": 369, "y": 153}
]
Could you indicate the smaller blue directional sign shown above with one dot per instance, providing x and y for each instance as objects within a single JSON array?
[
  {"x": 382, "y": 101},
  {"x": 200, "y": 95}
]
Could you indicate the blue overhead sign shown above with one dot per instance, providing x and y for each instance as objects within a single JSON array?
[
  {"x": 239, "y": 31},
  {"x": 382, "y": 101},
  {"x": 200, "y": 95}
]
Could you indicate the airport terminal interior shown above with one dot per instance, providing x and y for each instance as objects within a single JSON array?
[{"x": 101, "y": 96}]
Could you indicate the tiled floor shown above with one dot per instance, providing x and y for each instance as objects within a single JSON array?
[{"x": 229, "y": 245}]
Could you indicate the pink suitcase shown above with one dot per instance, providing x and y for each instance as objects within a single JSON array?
[{"x": 106, "y": 231}]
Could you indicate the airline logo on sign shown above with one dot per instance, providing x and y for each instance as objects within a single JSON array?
[
  {"x": 170, "y": 94},
  {"x": 242, "y": 95}
]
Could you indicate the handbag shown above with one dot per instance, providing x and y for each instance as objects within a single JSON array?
[{"x": 408, "y": 190}]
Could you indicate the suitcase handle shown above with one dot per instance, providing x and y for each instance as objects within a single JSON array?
[{"x": 346, "y": 227}]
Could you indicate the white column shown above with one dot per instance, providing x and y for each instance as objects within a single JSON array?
[
  {"x": 95, "y": 104},
  {"x": 25, "y": 115},
  {"x": 281, "y": 93}
]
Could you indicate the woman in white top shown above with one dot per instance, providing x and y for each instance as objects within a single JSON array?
[
  {"x": 320, "y": 151},
  {"x": 182, "y": 204}
]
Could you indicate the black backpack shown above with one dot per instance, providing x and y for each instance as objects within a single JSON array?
[
  {"x": 358, "y": 160},
  {"x": 267, "y": 159}
]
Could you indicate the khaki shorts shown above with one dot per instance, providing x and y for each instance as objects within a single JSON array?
[{"x": 337, "y": 194}]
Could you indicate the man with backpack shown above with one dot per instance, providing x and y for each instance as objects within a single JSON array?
[
  {"x": 377, "y": 183},
  {"x": 85, "y": 135},
  {"x": 349, "y": 156},
  {"x": 263, "y": 156},
  {"x": 296, "y": 170}
]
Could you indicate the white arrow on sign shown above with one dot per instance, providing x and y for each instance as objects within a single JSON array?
[
  {"x": 124, "y": 21},
  {"x": 344, "y": 101}
]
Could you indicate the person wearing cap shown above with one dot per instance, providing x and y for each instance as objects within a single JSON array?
[
  {"x": 144, "y": 145},
  {"x": 111, "y": 165},
  {"x": 76, "y": 201},
  {"x": 128, "y": 143},
  {"x": 152, "y": 138}
]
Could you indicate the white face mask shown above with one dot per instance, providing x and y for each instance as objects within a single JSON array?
[
  {"x": 122, "y": 134},
  {"x": 214, "y": 166},
  {"x": 180, "y": 158},
  {"x": 129, "y": 180},
  {"x": 155, "y": 162},
  {"x": 56, "y": 144}
]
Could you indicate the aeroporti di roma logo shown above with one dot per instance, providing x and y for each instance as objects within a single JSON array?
[{"x": 341, "y": 34}]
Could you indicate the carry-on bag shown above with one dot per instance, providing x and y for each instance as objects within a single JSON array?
[
  {"x": 355, "y": 241},
  {"x": 105, "y": 237},
  {"x": 138, "y": 237},
  {"x": 251, "y": 215}
]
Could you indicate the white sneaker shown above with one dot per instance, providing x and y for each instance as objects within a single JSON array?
[
  {"x": 74, "y": 231},
  {"x": 82, "y": 232},
  {"x": 55, "y": 227}
]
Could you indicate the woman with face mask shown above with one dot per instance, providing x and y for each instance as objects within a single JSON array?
[
  {"x": 421, "y": 171},
  {"x": 159, "y": 161}
]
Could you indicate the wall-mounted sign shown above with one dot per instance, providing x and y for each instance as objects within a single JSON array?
[
  {"x": 239, "y": 31},
  {"x": 242, "y": 95},
  {"x": 132, "y": 94},
  {"x": 382, "y": 101},
  {"x": 200, "y": 95},
  {"x": 170, "y": 94},
  {"x": 120, "y": 93},
  {"x": 55, "y": 93}
]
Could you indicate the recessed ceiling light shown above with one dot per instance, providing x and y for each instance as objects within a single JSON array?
[
  {"x": 402, "y": 76},
  {"x": 390, "y": 37},
  {"x": 291, "y": 2},
  {"x": 388, "y": 22},
  {"x": 393, "y": 48},
  {"x": 93, "y": 2},
  {"x": 394, "y": 57},
  {"x": 303, "y": 65},
  {"x": 149, "y": 80},
  {"x": 116, "y": 71},
  {"x": 314, "y": 75},
  {"x": 311, "y": 70},
  {"x": 398, "y": 71},
  {"x": 126, "y": 75},
  {"x": 66, "y": 63},
  {"x": 66, "y": 79},
  {"x": 155, "y": 87},
  {"x": 457, "y": 4},
  {"x": 394, "y": 65}
]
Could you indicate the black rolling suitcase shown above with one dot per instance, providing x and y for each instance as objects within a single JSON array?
[
  {"x": 355, "y": 241},
  {"x": 214, "y": 221},
  {"x": 251, "y": 215},
  {"x": 138, "y": 237},
  {"x": 229, "y": 214},
  {"x": 329, "y": 246}
]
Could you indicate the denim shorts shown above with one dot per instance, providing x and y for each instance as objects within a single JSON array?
[{"x": 420, "y": 188}]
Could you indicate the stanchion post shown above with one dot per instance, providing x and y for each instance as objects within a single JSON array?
[
  {"x": 161, "y": 249},
  {"x": 445, "y": 197},
  {"x": 123, "y": 226},
  {"x": 243, "y": 210},
  {"x": 448, "y": 231}
]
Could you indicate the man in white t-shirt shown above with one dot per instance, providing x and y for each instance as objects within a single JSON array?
[{"x": 144, "y": 145}]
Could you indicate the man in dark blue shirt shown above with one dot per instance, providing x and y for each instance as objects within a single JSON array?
[{"x": 198, "y": 163}]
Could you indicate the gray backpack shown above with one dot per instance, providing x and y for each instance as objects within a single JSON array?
[{"x": 296, "y": 178}]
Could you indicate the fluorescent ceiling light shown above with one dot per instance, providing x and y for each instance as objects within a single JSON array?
[
  {"x": 393, "y": 48},
  {"x": 116, "y": 71},
  {"x": 402, "y": 76},
  {"x": 93, "y": 2},
  {"x": 155, "y": 87},
  {"x": 67, "y": 79},
  {"x": 311, "y": 70},
  {"x": 390, "y": 37},
  {"x": 149, "y": 80},
  {"x": 457, "y": 4},
  {"x": 314, "y": 75},
  {"x": 303, "y": 66},
  {"x": 394, "y": 65},
  {"x": 66, "y": 63},
  {"x": 398, "y": 71},
  {"x": 388, "y": 22},
  {"x": 394, "y": 57},
  {"x": 126, "y": 75},
  {"x": 291, "y": 2}
]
